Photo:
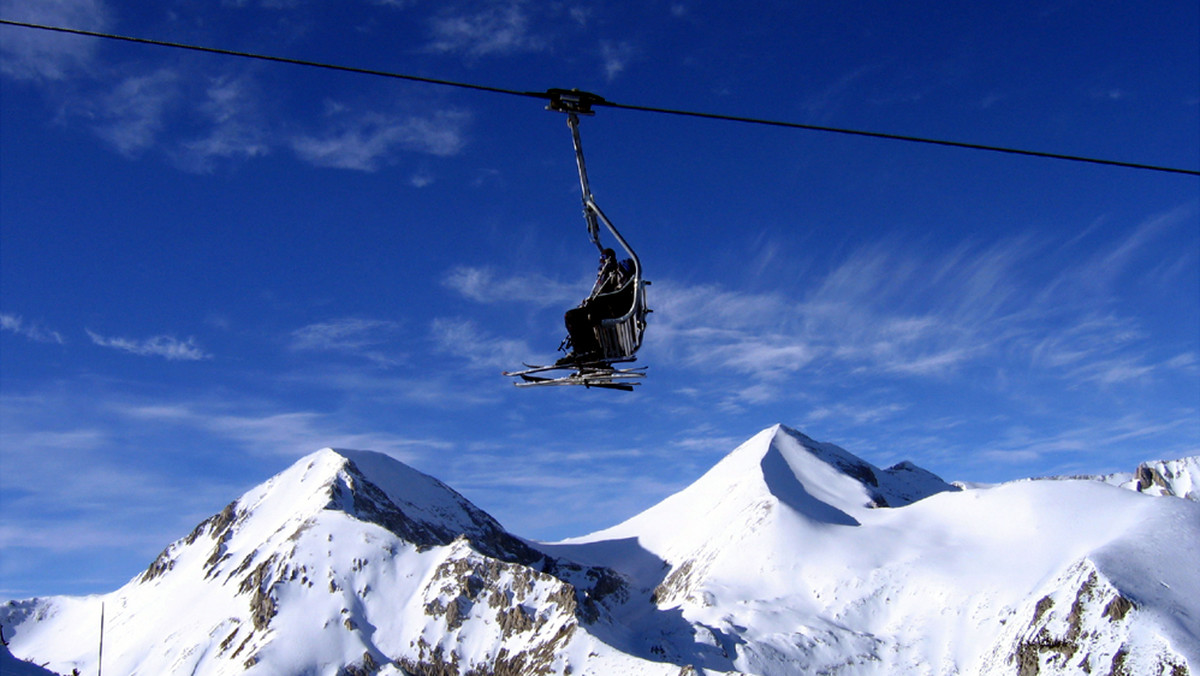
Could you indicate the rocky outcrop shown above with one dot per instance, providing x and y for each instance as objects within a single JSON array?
[
  {"x": 1177, "y": 478},
  {"x": 777, "y": 561},
  {"x": 1081, "y": 625},
  {"x": 511, "y": 604}
]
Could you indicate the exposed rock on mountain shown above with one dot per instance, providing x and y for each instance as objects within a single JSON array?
[{"x": 789, "y": 556}]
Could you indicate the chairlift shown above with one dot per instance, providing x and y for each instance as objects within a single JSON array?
[{"x": 613, "y": 316}]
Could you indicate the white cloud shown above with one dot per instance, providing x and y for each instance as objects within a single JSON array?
[
  {"x": 266, "y": 4},
  {"x": 616, "y": 56},
  {"x": 894, "y": 312},
  {"x": 825, "y": 103},
  {"x": 580, "y": 15},
  {"x": 421, "y": 179},
  {"x": 350, "y": 335},
  {"x": 767, "y": 357},
  {"x": 132, "y": 115},
  {"x": 1110, "y": 94},
  {"x": 195, "y": 119},
  {"x": 1089, "y": 444},
  {"x": 498, "y": 30},
  {"x": 30, "y": 330},
  {"x": 289, "y": 434},
  {"x": 235, "y": 126},
  {"x": 38, "y": 55},
  {"x": 371, "y": 140},
  {"x": 465, "y": 339},
  {"x": 1184, "y": 362},
  {"x": 168, "y": 347},
  {"x": 856, "y": 414},
  {"x": 486, "y": 285},
  {"x": 1104, "y": 270}
]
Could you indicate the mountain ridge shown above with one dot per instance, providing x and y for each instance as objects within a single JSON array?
[{"x": 788, "y": 554}]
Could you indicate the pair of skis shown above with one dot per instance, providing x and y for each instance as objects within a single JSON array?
[{"x": 590, "y": 374}]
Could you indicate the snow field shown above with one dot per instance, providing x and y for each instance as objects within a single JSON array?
[{"x": 779, "y": 560}]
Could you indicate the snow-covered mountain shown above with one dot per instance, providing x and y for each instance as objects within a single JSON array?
[
  {"x": 788, "y": 556},
  {"x": 1180, "y": 478},
  {"x": 347, "y": 562}
]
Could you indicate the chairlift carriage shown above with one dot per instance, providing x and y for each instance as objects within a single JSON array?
[{"x": 619, "y": 317}]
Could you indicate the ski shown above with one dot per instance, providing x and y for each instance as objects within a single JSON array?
[{"x": 593, "y": 374}]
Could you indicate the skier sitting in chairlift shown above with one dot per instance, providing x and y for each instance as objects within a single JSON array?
[{"x": 611, "y": 297}]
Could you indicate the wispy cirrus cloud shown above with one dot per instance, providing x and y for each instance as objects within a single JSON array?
[
  {"x": 1094, "y": 439},
  {"x": 195, "y": 119},
  {"x": 498, "y": 29},
  {"x": 132, "y": 116},
  {"x": 40, "y": 56},
  {"x": 285, "y": 433},
  {"x": 192, "y": 120},
  {"x": 33, "y": 331},
  {"x": 354, "y": 336},
  {"x": 234, "y": 125},
  {"x": 487, "y": 285},
  {"x": 85, "y": 471},
  {"x": 367, "y": 141},
  {"x": 858, "y": 414},
  {"x": 481, "y": 350},
  {"x": 825, "y": 103},
  {"x": 167, "y": 347},
  {"x": 1103, "y": 270},
  {"x": 894, "y": 312},
  {"x": 890, "y": 311},
  {"x": 616, "y": 57}
]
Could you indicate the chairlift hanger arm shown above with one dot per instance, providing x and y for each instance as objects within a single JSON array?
[
  {"x": 574, "y": 103},
  {"x": 589, "y": 204}
]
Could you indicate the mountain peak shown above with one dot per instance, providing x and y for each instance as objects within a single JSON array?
[
  {"x": 778, "y": 474},
  {"x": 838, "y": 477},
  {"x": 376, "y": 488},
  {"x": 779, "y": 560},
  {"x": 364, "y": 487}
]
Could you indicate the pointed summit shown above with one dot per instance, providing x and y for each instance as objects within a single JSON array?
[
  {"x": 818, "y": 483},
  {"x": 362, "y": 486},
  {"x": 775, "y": 500},
  {"x": 347, "y": 558},
  {"x": 784, "y": 558},
  {"x": 899, "y": 485},
  {"x": 375, "y": 488}
]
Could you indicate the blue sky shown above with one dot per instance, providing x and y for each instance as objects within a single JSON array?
[{"x": 210, "y": 267}]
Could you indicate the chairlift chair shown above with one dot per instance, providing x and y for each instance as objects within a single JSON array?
[{"x": 620, "y": 337}]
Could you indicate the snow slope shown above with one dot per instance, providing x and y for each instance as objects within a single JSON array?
[
  {"x": 1179, "y": 478},
  {"x": 788, "y": 556},
  {"x": 11, "y": 666},
  {"x": 779, "y": 546},
  {"x": 345, "y": 560}
]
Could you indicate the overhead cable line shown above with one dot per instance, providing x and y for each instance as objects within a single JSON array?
[
  {"x": 912, "y": 139},
  {"x": 266, "y": 57},
  {"x": 600, "y": 101}
]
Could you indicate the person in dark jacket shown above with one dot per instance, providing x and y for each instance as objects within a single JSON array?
[{"x": 611, "y": 297}]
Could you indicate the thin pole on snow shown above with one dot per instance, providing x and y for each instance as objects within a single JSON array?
[{"x": 100, "y": 661}]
